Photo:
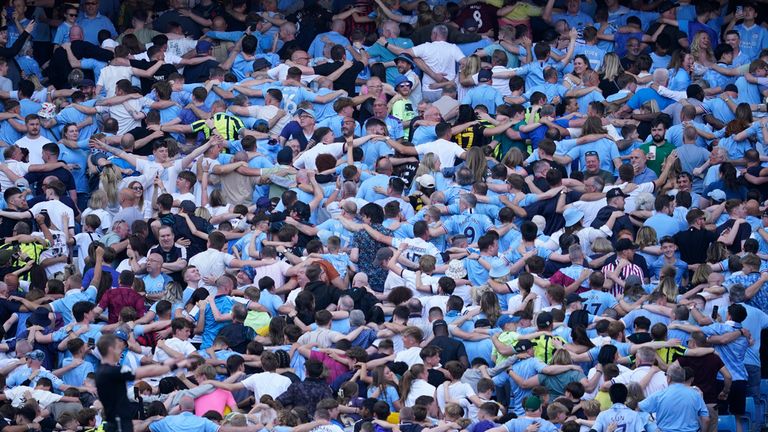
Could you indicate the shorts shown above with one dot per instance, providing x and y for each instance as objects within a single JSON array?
[{"x": 736, "y": 404}]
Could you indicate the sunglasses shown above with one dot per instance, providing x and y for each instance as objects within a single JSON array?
[
  {"x": 137, "y": 188},
  {"x": 590, "y": 153},
  {"x": 72, "y": 15}
]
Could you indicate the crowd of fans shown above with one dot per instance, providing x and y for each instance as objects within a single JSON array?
[{"x": 382, "y": 215}]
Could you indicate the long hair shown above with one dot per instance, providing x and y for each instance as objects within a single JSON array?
[
  {"x": 471, "y": 66},
  {"x": 513, "y": 159},
  {"x": 428, "y": 164},
  {"x": 409, "y": 377},
  {"x": 697, "y": 50},
  {"x": 489, "y": 304},
  {"x": 728, "y": 174},
  {"x": 611, "y": 67},
  {"x": 646, "y": 236},
  {"x": 667, "y": 284},
  {"x": 593, "y": 125},
  {"x": 477, "y": 164},
  {"x": 110, "y": 178}
]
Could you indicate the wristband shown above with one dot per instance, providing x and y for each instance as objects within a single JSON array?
[{"x": 386, "y": 45}]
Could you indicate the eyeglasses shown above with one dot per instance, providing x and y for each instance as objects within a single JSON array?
[
  {"x": 137, "y": 188},
  {"x": 590, "y": 153}
]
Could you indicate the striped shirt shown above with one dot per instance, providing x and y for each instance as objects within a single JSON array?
[{"x": 628, "y": 270}]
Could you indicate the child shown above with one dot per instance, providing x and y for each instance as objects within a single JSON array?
[
  {"x": 631, "y": 141},
  {"x": 256, "y": 320},
  {"x": 75, "y": 369},
  {"x": 54, "y": 259},
  {"x": 340, "y": 260}
]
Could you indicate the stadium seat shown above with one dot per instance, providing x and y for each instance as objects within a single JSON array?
[
  {"x": 726, "y": 423},
  {"x": 754, "y": 414}
]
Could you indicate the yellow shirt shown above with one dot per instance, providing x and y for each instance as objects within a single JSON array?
[{"x": 522, "y": 11}]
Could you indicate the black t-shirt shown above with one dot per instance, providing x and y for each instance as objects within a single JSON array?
[
  {"x": 181, "y": 229},
  {"x": 621, "y": 223},
  {"x": 8, "y": 307},
  {"x": 745, "y": 231},
  {"x": 762, "y": 188},
  {"x": 62, "y": 174},
  {"x": 170, "y": 256},
  {"x": 435, "y": 377},
  {"x": 450, "y": 349},
  {"x": 110, "y": 385},
  {"x": 324, "y": 294},
  {"x": 548, "y": 209},
  {"x": 160, "y": 75},
  {"x": 7, "y": 224},
  {"x": 200, "y": 72},
  {"x": 347, "y": 79},
  {"x": 693, "y": 244},
  {"x": 139, "y": 133}
]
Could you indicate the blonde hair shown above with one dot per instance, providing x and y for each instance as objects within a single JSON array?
[
  {"x": 561, "y": 357},
  {"x": 471, "y": 66},
  {"x": 602, "y": 246},
  {"x": 428, "y": 165},
  {"x": 667, "y": 284},
  {"x": 98, "y": 200},
  {"x": 611, "y": 67},
  {"x": 697, "y": 50},
  {"x": 109, "y": 179},
  {"x": 646, "y": 236},
  {"x": 513, "y": 159},
  {"x": 203, "y": 212}
]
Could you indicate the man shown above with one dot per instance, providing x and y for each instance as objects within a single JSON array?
[
  {"x": 618, "y": 271},
  {"x": 706, "y": 369},
  {"x": 174, "y": 256},
  {"x": 592, "y": 167},
  {"x": 658, "y": 148},
  {"x": 450, "y": 348},
  {"x": 639, "y": 162},
  {"x": 268, "y": 382},
  {"x": 618, "y": 413},
  {"x": 735, "y": 231},
  {"x": 440, "y": 56},
  {"x": 111, "y": 379},
  {"x": 155, "y": 280},
  {"x": 187, "y": 420},
  {"x": 484, "y": 93},
  {"x": 58, "y": 212},
  {"x": 92, "y": 22},
  {"x": 678, "y": 407},
  {"x": 177, "y": 347},
  {"x": 645, "y": 359},
  {"x": 669, "y": 258},
  {"x": 662, "y": 221},
  {"x": 32, "y": 140},
  {"x": 694, "y": 242},
  {"x": 446, "y": 150},
  {"x": 615, "y": 201},
  {"x": 309, "y": 392},
  {"x": 530, "y": 421},
  {"x": 753, "y": 37}
]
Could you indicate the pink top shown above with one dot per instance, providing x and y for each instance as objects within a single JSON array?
[{"x": 217, "y": 400}]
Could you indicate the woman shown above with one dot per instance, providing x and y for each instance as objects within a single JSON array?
[
  {"x": 701, "y": 53},
  {"x": 144, "y": 206},
  {"x": 680, "y": 70},
  {"x": 108, "y": 182},
  {"x": 647, "y": 244},
  {"x": 580, "y": 342},
  {"x": 383, "y": 386},
  {"x": 667, "y": 284},
  {"x": 556, "y": 383},
  {"x": 97, "y": 206},
  {"x": 513, "y": 161},
  {"x": 524, "y": 299},
  {"x": 580, "y": 65},
  {"x": 414, "y": 384},
  {"x": 465, "y": 78},
  {"x": 574, "y": 219},
  {"x": 728, "y": 183},
  {"x": 430, "y": 165},
  {"x": 477, "y": 163},
  {"x": 609, "y": 71}
]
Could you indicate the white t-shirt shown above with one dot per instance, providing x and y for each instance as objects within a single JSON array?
[
  {"x": 419, "y": 387},
  {"x": 410, "y": 356},
  {"x": 110, "y": 75},
  {"x": 121, "y": 114},
  {"x": 266, "y": 383},
  {"x": 658, "y": 382},
  {"x": 323, "y": 337},
  {"x": 267, "y": 112},
  {"x": 441, "y": 57},
  {"x": 280, "y": 72},
  {"x": 211, "y": 263},
  {"x": 307, "y": 159},
  {"x": 56, "y": 249},
  {"x": 176, "y": 344},
  {"x": 445, "y": 150},
  {"x": 17, "y": 395},
  {"x": 104, "y": 216},
  {"x": 18, "y": 168},
  {"x": 35, "y": 147},
  {"x": 457, "y": 392},
  {"x": 56, "y": 210},
  {"x": 83, "y": 240}
]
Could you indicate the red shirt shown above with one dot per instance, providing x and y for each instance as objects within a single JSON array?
[{"x": 116, "y": 299}]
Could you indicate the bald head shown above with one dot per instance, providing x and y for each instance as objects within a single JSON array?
[
  {"x": 76, "y": 33},
  {"x": 187, "y": 404},
  {"x": 338, "y": 26},
  {"x": 639, "y": 160}
]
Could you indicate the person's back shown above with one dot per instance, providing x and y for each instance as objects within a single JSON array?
[{"x": 216, "y": 400}]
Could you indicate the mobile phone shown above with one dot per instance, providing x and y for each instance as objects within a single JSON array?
[
  {"x": 91, "y": 342},
  {"x": 739, "y": 10},
  {"x": 714, "y": 312}
]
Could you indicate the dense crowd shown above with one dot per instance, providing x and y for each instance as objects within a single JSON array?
[{"x": 382, "y": 215}]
